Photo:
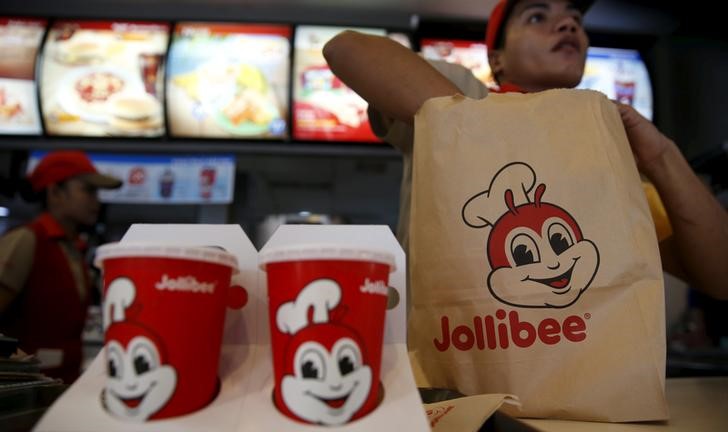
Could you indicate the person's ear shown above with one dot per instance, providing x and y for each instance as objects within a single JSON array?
[
  {"x": 53, "y": 192},
  {"x": 495, "y": 60},
  {"x": 53, "y": 189}
]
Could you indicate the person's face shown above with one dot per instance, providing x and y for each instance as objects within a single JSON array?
[
  {"x": 544, "y": 46},
  {"x": 76, "y": 200}
]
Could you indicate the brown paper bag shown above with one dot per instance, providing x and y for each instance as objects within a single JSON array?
[{"x": 534, "y": 262}]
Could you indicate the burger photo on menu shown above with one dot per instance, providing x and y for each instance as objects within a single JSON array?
[{"x": 104, "y": 78}]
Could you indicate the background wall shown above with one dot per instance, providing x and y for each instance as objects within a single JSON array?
[{"x": 691, "y": 82}]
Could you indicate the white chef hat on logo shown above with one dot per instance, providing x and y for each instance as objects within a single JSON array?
[
  {"x": 322, "y": 295},
  {"x": 119, "y": 296},
  {"x": 485, "y": 208}
]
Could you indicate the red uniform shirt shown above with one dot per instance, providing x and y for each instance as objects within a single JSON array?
[{"x": 49, "y": 310}]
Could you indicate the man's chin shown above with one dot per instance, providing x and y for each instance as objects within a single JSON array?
[
  {"x": 568, "y": 78},
  {"x": 88, "y": 223},
  {"x": 567, "y": 82}
]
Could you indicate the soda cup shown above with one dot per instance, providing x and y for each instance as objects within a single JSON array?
[
  {"x": 207, "y": 181},
  {"x": 327, "y": 306},
  {"x": 164, "y": 312},
  {"x": 166, "y": 184}
]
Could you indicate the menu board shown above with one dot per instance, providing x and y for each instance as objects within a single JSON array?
[
  {"x": 102, "y": 78},
  {"x": 20, "y": 39},
  {"x": 323, "y": 107},
  {"x": 621, "y": 75},
  {"x": 229, "y": 80},
  {"x": 157, "y": 179},
  {"x": 471, "y": 54}
]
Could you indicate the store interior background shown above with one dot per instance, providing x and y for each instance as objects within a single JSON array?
[{"x": 685, "y": 49}]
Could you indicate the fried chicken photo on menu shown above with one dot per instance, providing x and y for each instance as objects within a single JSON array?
[{"x": 9, "y": 108}]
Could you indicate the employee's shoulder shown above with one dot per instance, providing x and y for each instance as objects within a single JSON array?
[
  {"x": 462, "y": 77},
  {"x": 21, "y": 235}
]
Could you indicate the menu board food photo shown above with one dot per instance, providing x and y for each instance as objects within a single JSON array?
[
  {"x": 621, "y": 75},
  {"x": 20, "y": 39},
  {"x": 163, "y": 179},
  {"x": 229, "y": 80},
  {"x": 471, "y": 54},
  {"x": 324, "y": 108},
  {"x": 169, "y": 179},
  {"x": 104, "y": 78}
]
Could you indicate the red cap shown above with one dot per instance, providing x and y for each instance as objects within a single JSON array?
[
  {"x": 502, "y": 10},
  {"x": 61, "y": 165}
]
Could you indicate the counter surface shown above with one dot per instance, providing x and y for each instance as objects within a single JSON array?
[{"x": 696, "y": 405}]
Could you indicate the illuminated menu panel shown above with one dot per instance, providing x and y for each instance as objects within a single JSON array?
[
  {"x": 163, "y": 179},
  {"x": 621, "y": 75},
  {"x": 471, "y": 54},
  {"x": 229, "y": 80},
  {"x": 103, "y": 78},
  {"x": 323, "y": 107},
  {"x": 20, "y": 39}
]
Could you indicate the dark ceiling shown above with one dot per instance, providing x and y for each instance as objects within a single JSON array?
[{"x": 645, "y": 17}]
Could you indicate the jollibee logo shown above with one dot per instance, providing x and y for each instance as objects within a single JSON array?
[
  {"x": 184, "y": 283},
  {"x": 538, "y": 257},
  {"x": 537, "y": 252},
  {"x": 436, "y": 414},
  {"x": 140, "y": 382},
  {"x": 326, "y": 378}
]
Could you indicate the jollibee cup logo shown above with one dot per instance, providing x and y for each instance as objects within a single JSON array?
[
  {"x": 326, "y": 379},
  {"x": 538, "y": 255},
  {"x": 327, "y": 305},
  {"x": 140, "y": 381},
  {"x": 164, "y": 316}
]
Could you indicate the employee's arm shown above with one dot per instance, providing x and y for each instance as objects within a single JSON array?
[
  {"x": 699, "y": 244},
  {"x": 698, "y": 248},
  {"x": 386, "y": 74}
]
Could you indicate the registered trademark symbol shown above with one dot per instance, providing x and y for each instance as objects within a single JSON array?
[{"x": 587, "y": 315}]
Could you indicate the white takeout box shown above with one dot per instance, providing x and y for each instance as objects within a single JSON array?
[{"x": 246, "y": 370}]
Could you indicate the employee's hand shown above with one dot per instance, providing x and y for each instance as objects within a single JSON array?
[
  {"x": 698, "y": 248},
  {"x": 647, "y": 142}
]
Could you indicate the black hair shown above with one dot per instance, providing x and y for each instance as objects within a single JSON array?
[
  {"x": 24, "y": 189},
  {"x": 500, "y": 37}
]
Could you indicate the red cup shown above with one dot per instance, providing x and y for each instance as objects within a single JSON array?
[
  {"x": 164, "y": 313},
  {"x": 326, "y": 307},
  {"x": 207, "y": 181},
  {"x": 624, "y": 91}
]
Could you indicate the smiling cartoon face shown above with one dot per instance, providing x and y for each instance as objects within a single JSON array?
[
  {"x": 138, "y": 384},
  {"x": 539, "y": 257},
  {"x": 327, "y": 380}
]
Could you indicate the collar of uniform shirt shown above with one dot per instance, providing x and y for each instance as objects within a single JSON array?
[{"x": 54, "y": 230}]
